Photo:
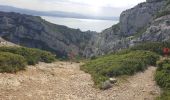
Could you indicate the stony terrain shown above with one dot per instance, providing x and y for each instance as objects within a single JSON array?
[
  {"x": 65, "y": 81},
  {"x": 6, "y": 43}
]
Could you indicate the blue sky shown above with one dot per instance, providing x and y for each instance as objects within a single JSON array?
[{"x": 90, "y": 7}]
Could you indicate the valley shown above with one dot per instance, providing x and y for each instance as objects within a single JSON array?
[{"x": 40, "y": 60}]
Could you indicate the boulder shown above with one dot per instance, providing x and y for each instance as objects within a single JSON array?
[
  {"x": 113, "y": 80},
  {"x": 106, "y": 85}
]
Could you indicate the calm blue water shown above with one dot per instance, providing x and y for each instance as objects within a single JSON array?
[{"x": 82, "y": 24}]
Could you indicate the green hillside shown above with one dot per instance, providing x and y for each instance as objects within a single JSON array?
[{"x": 124, "y": 62}]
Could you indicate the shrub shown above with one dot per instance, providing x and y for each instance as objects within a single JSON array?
[
  {"x": 162, "y": 75},
  {"x": 126, "y": 63},
  {"x": 162, "y": 78},
  {"x": 32, "y": 56},
  {"x": 162, "y": 13},
  {"x": 11, "y": 62},
  {"x": 46, "y": 57},
  {"x": 93, "y": 57},
  {"x": 156, "y": 47}
]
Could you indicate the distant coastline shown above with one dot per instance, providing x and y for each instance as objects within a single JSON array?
[
  {"x": 55, "y": 13},
  {"x": 82, "y": 24}
]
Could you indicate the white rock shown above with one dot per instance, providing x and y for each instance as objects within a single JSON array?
[{"x": 113, "y": 80}]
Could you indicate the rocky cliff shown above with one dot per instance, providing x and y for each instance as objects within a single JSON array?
[
  {"x": 144, "y": 22},
  {"x": 32, "y": 31},
  {"x": 136, "y": 18},
  {"x": 159, "y": 28}
]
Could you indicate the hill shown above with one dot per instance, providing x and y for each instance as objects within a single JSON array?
[
  {"x": 32, "y": 31},
  {"x": 147, "y": 21}
]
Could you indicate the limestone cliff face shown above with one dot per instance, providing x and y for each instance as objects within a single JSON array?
[
  {"x": 133, "y": 19},
  {"x": 159, "y": 29},
  {"x": 126, "y": 33},
  {"x": 108, "y": 41},
  {"x": 35, "y": 32}
]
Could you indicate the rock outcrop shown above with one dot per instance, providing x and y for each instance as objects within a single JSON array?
[
  {"x": 159, "y": 29},
  {"x": 138, "y": 17}
]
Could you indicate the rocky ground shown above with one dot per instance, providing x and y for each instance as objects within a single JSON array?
[
  {"x": 6, "y": 43},
  {"x": 65, "y": 81}
]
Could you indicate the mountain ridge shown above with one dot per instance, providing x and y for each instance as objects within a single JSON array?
[{"x": 32, "y": 31}]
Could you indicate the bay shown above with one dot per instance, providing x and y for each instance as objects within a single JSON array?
[{"x": 82, "y": 24}]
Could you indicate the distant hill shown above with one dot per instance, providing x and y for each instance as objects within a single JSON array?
[
  {"x": 53, "y": 13},
  {"x": 33, "y": 31}
]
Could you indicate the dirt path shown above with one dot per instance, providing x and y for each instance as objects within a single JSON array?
[{"x": 65, "y": 81}]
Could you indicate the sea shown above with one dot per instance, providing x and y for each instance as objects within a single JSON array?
[{"x": 82, "y": 24}]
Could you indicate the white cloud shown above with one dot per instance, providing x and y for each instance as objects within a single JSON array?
[
  {"x": 110, "y": 3},
  {"x": 92, "y": 7}
]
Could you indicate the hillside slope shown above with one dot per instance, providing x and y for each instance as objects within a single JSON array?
[
  {"x": 32, "y": 31},
  {"x": 136, "y": 25}
]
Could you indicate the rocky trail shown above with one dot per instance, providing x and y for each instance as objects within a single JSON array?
[{"x": 65, "y": 81}]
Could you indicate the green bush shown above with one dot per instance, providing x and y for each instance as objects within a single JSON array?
[
  {"x": 162, "y": 13},
  {"x": 156, "y": 47},
  {"x": 126, "y": 63},
  {"x": 11, "y": 62},
  {"x": 162, "y": 78},
  {"x": 46, "y": 57},
  {"x": 32, "y": 56}
]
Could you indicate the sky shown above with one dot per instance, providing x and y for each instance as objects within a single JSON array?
[{"x": 88, "y": 7}]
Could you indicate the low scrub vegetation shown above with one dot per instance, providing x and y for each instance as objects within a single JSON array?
[
  {"x": 32, "y": 56},
  {"x": 13, "y": 59},
  {"x": 163, "y": 13},
  {"x": 162, "y": 78},
  {"x": 113, "y": 65},
  {"x": 156, "y": 47},
  {"x": 11, "y": 62}
]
